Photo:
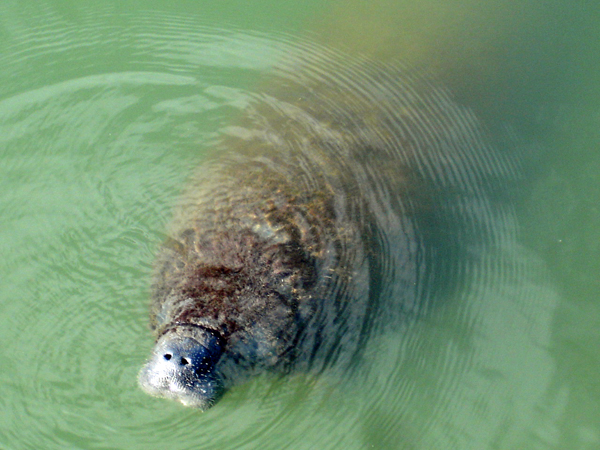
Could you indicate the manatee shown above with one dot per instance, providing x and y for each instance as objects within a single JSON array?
[{"x": 340, "y": 200}]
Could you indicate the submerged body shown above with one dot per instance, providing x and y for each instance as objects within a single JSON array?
[{"x": 283, "y": 245}]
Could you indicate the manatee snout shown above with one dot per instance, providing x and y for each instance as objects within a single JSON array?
[{"x": 183, "y": 367}]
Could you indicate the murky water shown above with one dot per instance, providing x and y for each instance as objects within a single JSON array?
[{"x": 105, "y": 113}]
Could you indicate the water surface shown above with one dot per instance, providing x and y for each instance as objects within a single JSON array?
[{"x": 104, "y": 114}]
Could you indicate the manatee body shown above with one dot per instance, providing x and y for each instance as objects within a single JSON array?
[{"x": 325, "y": 209}]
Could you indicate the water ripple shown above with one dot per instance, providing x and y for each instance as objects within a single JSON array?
[{"x": 97, "y": 152}]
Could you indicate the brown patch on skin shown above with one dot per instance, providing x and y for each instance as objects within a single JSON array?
[
  {"x": 272, "y": 268},
  {"x": 215, "y": 285}
]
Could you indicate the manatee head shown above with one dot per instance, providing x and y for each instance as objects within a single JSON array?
[{"x": 182, "y": 367}]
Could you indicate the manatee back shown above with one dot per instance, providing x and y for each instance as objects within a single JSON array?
[{"x": 367, "y": 188}]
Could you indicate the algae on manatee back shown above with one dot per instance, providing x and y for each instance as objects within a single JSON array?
[{"x": 342, "y": 198}]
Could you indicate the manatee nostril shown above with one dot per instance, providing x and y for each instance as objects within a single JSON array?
[
  {"x": 185, "y": 361},
  {"x": 167, "y": 356}
]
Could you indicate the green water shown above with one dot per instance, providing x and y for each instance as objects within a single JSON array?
[{"x": 104, "y": 112}]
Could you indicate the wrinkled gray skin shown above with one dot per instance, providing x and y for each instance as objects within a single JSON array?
[{"x": 325, "y": 210}]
